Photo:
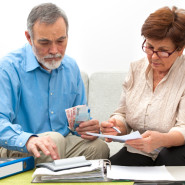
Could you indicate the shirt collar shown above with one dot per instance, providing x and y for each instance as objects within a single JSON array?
[
  {"x": 177, "y": 63},
  {"x": 31, "y": 61}
]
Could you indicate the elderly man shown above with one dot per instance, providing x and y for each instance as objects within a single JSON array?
[{"x": 37, "y": 83}]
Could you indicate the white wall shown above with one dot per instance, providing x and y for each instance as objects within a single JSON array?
[{"x": 104, "y": 35}]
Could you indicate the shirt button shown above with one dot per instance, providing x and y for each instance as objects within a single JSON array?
[
  {"x": 51, "y": 93},
  {"x": 6, "y": 142},
  {"x": 20, "y": 144},
  {"x": 21, "y": 150},
  {"x": 52, "y": 112}
]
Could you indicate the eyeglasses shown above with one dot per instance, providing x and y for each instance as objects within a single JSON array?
[{"x": 160, "y": 54}]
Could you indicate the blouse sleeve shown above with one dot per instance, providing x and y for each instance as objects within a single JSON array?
[{"x": 180, "y": 119}]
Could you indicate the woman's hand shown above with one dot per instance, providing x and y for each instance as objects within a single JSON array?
[
  {"x": 106, "y": 128},
  {"x": 150, "y": 141}
]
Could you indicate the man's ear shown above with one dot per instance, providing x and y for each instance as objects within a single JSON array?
[{"x": 28, "y": 37}]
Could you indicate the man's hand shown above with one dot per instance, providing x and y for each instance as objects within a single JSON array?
[
  {"x": 44, "y": 144},
  {"x": 88, "y": 126}
]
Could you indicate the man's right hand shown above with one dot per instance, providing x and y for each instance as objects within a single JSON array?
[{"x": 44, "y": 144}]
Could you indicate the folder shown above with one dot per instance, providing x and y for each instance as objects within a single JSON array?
[{"x": 12, "y": 166}]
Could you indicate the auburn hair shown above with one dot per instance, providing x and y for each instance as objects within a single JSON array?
[{"x": 166, "y": 23}]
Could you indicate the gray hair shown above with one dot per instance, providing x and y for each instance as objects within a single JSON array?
[{"x": 45, "y": 13}]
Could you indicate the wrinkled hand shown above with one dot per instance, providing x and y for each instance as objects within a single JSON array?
[
  {"x": 44, "y": 144},
  {"x": 88, "y": 126},
  {"x": 106, "y": 128},
  {"x": 150, "y": 141}
]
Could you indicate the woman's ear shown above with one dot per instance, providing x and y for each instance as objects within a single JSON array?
[
  {"x": 28, "y": 37},
  {"x": 181, "y": 51}
]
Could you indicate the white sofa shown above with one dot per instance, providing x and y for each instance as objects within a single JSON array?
[{"x": 103, "y": 90}]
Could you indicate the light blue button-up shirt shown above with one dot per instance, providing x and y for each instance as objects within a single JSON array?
[{"x": 32, "y": 100}]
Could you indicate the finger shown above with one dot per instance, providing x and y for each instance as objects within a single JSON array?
[
  {"x": 89, "y": 123},
  {"x": 33, "y": 149},
  {"x": 88, "y": 137},
  {"x": 109, "y": 131},
  {"x": 43, "y": 147},
  {"x": 113, "y": 121},
  {"x": 94, "y": 128},
  {"x": 108, "y": 140},
  {"x": 106, "y": 124},
  {"x": 52, "y": 148},
  {"x": 135, "y": 142},
  {"x": 146, "y": 134}
]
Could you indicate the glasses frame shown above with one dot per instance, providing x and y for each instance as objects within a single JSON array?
[{"x": 169, "y": 53}]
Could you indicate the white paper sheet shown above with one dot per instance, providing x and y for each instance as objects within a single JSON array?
[
  {"x": 122, "y": 139},
  {"x": 153, "y": 173}
]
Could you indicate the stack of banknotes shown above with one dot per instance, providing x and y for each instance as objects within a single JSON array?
[{"x": 76, "y": 115}]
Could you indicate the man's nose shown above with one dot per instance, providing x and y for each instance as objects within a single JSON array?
[{"x": 53, "y": 49}]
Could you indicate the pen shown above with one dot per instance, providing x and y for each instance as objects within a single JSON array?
[{"x": 116, "y": 129}]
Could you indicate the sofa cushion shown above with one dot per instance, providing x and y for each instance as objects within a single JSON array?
[
  {"x": 85, "y": 79},
  {"x": 104, "y": 93},
  {"x": 103, "y": 98}
]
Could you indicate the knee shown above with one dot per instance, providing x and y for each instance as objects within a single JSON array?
[
  {"x": 56, "y": 137},
  {"x": 173, "y": 156},
  {"x": 99, "y": 149}
]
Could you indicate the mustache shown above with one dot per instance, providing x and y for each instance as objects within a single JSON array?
[{"x": 53, "y": 56}]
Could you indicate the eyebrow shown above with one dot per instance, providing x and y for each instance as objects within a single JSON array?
[
  {"x": 161, "y": 47},
  {"x": 46, "y": 40},
  {"x": 62, "y": 38}
]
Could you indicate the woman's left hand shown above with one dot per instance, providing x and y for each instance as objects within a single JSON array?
[{"x": 149, "y": 142}]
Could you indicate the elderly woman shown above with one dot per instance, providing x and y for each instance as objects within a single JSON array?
[{"x": 153, "y": 97}]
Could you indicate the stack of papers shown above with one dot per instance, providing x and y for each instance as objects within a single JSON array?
[
  {"x": 93, "y": 173},
  {"x": 138, "y": 173},
  {"x": 99, "y": 171}
]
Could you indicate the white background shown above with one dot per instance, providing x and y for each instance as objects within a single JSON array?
[{"x": 104, "y": 35}]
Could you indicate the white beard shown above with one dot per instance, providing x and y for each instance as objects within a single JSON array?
[{"x": 53, "y": 64}]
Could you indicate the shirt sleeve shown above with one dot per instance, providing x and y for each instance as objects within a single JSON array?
[{"x": 12, "y": 135}]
